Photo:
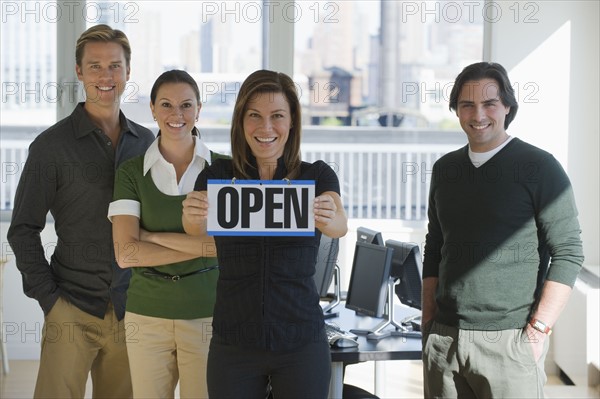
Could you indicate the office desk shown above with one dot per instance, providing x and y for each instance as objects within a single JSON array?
[{"x": 389, "y": 348}]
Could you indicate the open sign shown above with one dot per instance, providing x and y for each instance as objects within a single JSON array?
[{"x": 261, "y": 207}]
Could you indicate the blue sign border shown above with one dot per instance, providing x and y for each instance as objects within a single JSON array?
[
  {"x": 262, "y": 234},
  {"x": 216, "y": 233},
  {"x": 266, "y": 182}
]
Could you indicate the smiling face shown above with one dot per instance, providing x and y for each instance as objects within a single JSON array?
[
  {"x": 103, "y": 72},
  {"x": 267, "y": 123},
  {"x": 175, "y": 109},
  {"x": 481, "y": 114}
]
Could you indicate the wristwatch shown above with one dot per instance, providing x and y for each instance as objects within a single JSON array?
[{"x": 540, "y": 326}]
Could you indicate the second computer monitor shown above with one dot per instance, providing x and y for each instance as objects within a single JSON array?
[
  {"x": 367, "y": 291},
  {"x": 364, "y": 234},
  {"x": 326, "y": 260},
  {"x": 407, "y": 267}
]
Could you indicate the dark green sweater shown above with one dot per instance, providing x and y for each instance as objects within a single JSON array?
[
  {"x": 487, "y": 229},
  {"x": 189, "y": 298}
]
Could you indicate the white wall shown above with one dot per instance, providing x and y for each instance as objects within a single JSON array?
[
  {"x": 557, "y": 57},
  {"x": 552, "y": 52},
  {"x": 23, "y": 319}
]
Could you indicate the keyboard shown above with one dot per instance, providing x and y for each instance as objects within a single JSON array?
[
  {"x": 339, "y": 338},
  {"x": 416, "y": 323}
]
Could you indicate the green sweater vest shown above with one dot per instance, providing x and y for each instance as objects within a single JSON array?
[{"x": 190, "y": 297}]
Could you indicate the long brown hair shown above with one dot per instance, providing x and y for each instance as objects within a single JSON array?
[{"x": 264, "y": 81}]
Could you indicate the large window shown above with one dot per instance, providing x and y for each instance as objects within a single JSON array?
[
  {"x": 218, "y": 43},
  {"x": 29, "y": 91},
  {"x": 28, "y": 63},
  {"x": 365, "y": 63},
  {"x": 384, "y": 63}
]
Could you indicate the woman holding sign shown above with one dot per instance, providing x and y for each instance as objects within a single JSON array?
[
  {"x": 268, "y": 324},
  {"x": 172, "y": 290}
]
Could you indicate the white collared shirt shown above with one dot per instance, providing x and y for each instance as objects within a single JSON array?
[{"x": 164, "y": 176}]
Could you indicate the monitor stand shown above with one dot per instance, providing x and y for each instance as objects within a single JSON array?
[
  {"x": 399, "y": 330},
  {"x": 327, "y": 313}
]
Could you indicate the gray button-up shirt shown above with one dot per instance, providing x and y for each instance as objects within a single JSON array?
[{"x": 70, "y": 172}]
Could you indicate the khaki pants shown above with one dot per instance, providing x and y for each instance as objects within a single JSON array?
[
  {"x": 163, "y": 351},
  {"x": 75, "y": 343},
  {"x": 481, "y": 364}
]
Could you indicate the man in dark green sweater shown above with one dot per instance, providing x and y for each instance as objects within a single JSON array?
[{"x": 499, "y": 208}]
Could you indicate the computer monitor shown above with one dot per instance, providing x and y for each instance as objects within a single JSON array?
[
  {"x": 368, "y": 280},
  {"x": 407, "y": 268},
  {"x": 326, "y": 260},
  {"x": 326, "y": 269},
  {"x": 364, "y": 234}
]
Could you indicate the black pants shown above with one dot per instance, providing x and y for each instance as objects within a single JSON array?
[{"x": 237, "y": 372}]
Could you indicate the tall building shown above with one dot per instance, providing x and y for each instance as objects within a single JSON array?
[
  {"x": 146, "y": 55},
  {"x": 333, "y": 42},
  {"x": 389, "y": 57},
  {"x": 372, "y": 81},
  {"x": 206, "y": 47},
  {"x": 111, "y": 13},
  {"x": 28, "y": 69},
  {"x": 191, "y": 51}
]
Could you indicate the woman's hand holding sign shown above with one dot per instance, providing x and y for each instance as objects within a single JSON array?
[
  {"x": 330, "y": 217},
  {"x": 195, "y": 211}
]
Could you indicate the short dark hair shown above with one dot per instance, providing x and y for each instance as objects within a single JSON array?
[
  {"x": 102, "y": 33},
  {"x": 487, "y": 70},
  {"x": 174, "y": 76},
  {"x": 259, "y": 82}
]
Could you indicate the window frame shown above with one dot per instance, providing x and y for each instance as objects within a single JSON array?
[{"x": 278, "y": 54}]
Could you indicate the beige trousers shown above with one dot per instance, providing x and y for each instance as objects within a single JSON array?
[
  {"x": 163, "y": 352},
  {"x": 481, "y": 364},
  {"x": 75, "y": 343}
]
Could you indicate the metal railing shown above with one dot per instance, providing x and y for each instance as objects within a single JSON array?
[
  {"x": 385, "y": 178},
  {"x": 381, "y": 181},
  {"x": 13, "y": 154}
]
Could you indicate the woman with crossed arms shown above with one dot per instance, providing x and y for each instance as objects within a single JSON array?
[{"x": 172, "y": 290}]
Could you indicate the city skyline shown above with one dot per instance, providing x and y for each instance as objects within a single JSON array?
[{"x": 326, "y": 37}]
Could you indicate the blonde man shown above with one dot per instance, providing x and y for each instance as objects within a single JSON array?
[{"x": 70, "y": 173}]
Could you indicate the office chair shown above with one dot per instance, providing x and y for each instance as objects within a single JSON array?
[
  {"x": 348, "y": 392},
  {"x": 354, "y": 392},
  {"x": 326, "y": 271}
]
